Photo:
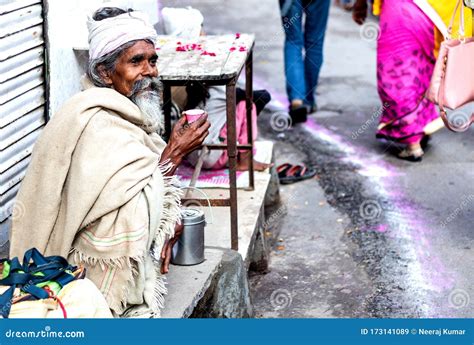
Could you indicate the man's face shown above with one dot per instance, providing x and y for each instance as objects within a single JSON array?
[{"x": 136, "y": 63}]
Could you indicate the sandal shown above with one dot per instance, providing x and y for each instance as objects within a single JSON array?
[
  {"x": 282, "y": 169},
  {"x": 411, "y": 155},
  {"x": 288, "y": 173}
]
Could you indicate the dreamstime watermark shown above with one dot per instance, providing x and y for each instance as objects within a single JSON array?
[
  {"x": 290, "y": 21},
  {"x": 375, "y": 116},
  {"x": 370, "y": 210},
  {"x": 466, "y": 200},
  {"x": 460, "y": 119},
  {"x": 281, "y": 299},
  {"x": 469, "y": 3},
  {"x": 278, "y": 214},
  {"x": 18, "y": 210},
  {"x": 45, "y": 333},
  {"x": 275, "y": 216},
  {"x": 280, "y": 121},
  {"x": 459, "y": 298},
  {"x": 7, "y": 307},
  {"x": 191, "y": 204},
  {"x": 287, "y": 23},
  {"x": 370, "y": 32}
]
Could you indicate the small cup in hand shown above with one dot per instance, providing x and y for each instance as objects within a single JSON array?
[{"x": 193, "y": 115}]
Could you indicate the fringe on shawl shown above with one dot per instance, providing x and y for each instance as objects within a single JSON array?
[
  {"x": 171, "y": 214},
  {"x": 124, "y": 262},
  {"x": 159, "y": 292},
  {"x": 119, "y": 262},
  {"x": 129, "y": 263}
]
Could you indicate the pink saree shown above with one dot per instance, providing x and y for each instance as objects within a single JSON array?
[
  {"x": 405, "y": 61},
  {"x": 241, "y": 128}
]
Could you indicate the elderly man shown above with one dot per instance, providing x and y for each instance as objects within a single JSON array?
[{"x": 100, "y": 187}]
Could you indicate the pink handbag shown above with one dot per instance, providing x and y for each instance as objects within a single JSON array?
[{"x": 452, "y": 83}]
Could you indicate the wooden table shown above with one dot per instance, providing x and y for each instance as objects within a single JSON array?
[{"x": 212, "y": 60}]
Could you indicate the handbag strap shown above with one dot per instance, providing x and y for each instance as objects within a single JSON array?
[
  {"x": 441, "y": 93},
  {"x": 35, "y": 269},
  {"x": 462, "y": 33}
]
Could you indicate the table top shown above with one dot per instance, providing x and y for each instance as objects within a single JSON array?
[{"x": 204, "y": 59}]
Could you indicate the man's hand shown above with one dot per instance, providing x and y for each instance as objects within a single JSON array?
[
  {"x": 168, "y": 248},
  {"x": 359, "y": 11},
  {"x": 184, "y": 139}
]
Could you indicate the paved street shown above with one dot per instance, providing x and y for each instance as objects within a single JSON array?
[{"x": 370, "y": 236}]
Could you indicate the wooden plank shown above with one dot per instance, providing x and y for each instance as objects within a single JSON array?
[
  {"x": 237, "y": 58},
  {"x": 206, "y": 58}
]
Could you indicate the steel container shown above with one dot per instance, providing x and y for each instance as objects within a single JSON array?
[{"x": 189, "y": 250}]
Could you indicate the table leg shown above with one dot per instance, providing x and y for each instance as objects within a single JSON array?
[
  {"x": 167, "y": 110},
  {"x": 232, "y": 153},
  {"x": 249, "y": 103}
]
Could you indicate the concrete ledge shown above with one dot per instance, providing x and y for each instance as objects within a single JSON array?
[
  {"x": 250, "y": 211},
  {"x": 188, "y": 284},
  {"x": 228, "y": 295},
  {"x": 219, "y": 286}
]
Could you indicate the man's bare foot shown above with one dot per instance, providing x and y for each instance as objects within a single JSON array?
[
  {"x": 257, "y": 166},
  {"x": 243, "y": 163}
]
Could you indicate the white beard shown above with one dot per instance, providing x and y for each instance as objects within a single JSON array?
[
  {"x": 146, "y": 95},
  {"x": 149, "y": 104}
]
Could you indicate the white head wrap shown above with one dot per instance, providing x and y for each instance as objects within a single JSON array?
[
  {"x": 182, "y": 22},
  {"x": 108, "y": 34}
]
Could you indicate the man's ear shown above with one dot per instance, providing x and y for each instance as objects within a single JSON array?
[{"x": 105, "y": 75}]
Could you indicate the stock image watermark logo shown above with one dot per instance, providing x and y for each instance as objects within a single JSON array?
[
  {"x": 275, "y": 38},
  {"x": 469, "y": 3},
  {"x": 370, "y": 210},
  {"x": 460, "y": 119},
  {"x": 459, "y": 298},
  {"x": 376, "y": 114},
  {"x": 47, "y": 332},
  {"x": 281, "y": 299},
  {"x": 280, "y": 121},
  {"x": 18, "y": 210},
  {"x": 370, "y": 32},
  {"x": 191, "y": 204},
  {"x": 290, "y": 21},
  {"x": 5, "y": 311},
  {"x": 276, "y": 216},
  {"x": 465, "y": 202}
]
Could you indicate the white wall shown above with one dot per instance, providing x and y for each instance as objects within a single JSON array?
[{"x": 67, "y": 30}]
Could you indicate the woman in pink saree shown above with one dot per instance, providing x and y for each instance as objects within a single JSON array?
[{"x": 406, "y": 51}]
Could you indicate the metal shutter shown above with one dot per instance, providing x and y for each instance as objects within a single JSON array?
[{"x": 22, "y": 96}]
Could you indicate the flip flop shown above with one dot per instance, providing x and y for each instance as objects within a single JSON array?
[
  {"x": 294, "y": 173},
  {"x": 282, "y": 169}
]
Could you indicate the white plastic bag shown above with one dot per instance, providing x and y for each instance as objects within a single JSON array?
[{"x": 182, "y": 22}]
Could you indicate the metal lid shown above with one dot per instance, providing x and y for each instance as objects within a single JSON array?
[{"x": 192, "y": 216}]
